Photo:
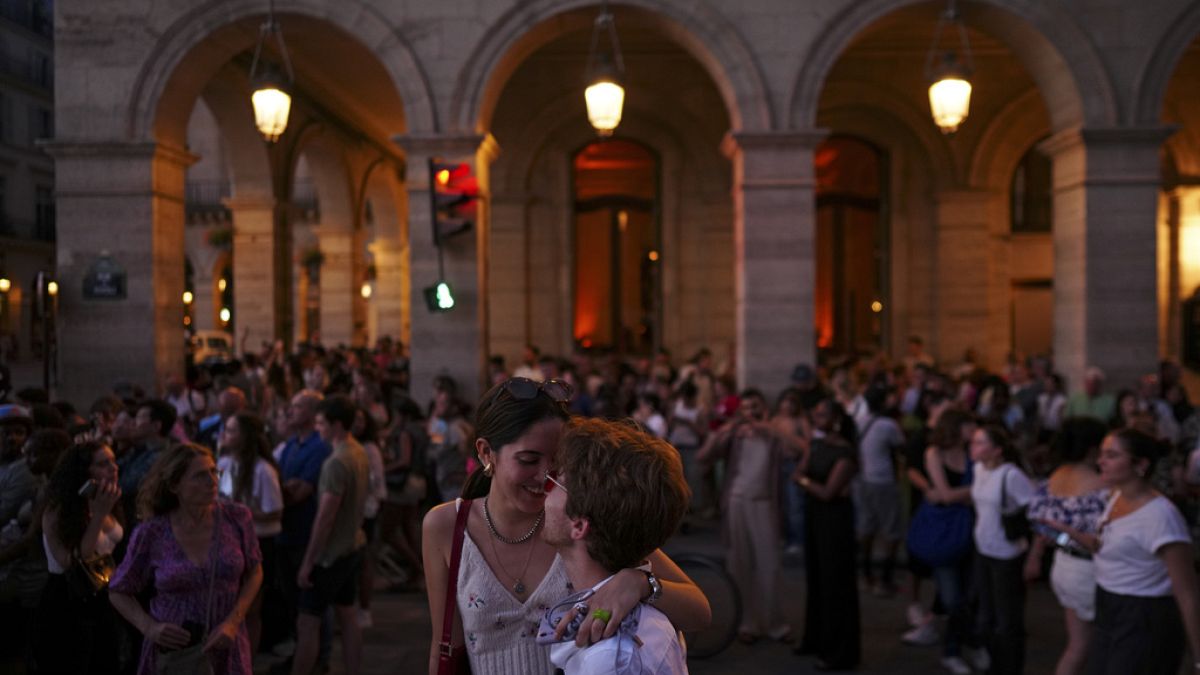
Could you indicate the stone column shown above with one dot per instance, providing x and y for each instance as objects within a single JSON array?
[
  {"x": 391, "y": 298},
  {"x": 338, "y": 288},
  {"x": 126, "y": 199},
  {"x": 774, "y": 254},
  {"x": 973, "y": 289},
  {"x": 1106, "y": 185},
  {"x": 451, "y": 342},
  {"x": 255, "y": 305}
]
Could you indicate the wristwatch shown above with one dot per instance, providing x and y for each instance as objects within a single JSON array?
[{"x": 655, "y": 585}]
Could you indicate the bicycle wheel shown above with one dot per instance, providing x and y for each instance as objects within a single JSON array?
[{"x": 710, "y": 575}]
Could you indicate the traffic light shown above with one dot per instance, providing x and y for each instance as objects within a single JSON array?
[
  {"x": 453, "y": 191},
  {"x": 439, "y": 297}
]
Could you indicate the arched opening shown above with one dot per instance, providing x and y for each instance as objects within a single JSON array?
[
  {"x": 617, "y": 283},
  {"x": 851, "y": 294}
]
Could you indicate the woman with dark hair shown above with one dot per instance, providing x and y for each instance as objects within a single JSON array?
[
  {"x": 1143, "y": 557},
  {"x": 950, "y": 472},
  {"x": 509, "y": 576},
  {"x": 998, "y": 488},
  {"x": 366, "y": 432},
  {"x": 77, "y": 634},
  {"x": 831, "y": 619},
  {"x": 200, "y": 555},
  {"x": 1075, "y": 496},
  {"x": 250, "y": 477}
]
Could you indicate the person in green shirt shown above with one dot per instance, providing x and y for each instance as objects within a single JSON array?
[
  {"x": 1092, "y": 401},
  {"x": 329, "y": 572}
]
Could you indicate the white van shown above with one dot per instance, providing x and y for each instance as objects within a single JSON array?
[{"x": 211, "y": 346}]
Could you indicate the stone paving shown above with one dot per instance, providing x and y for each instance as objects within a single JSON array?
[{"x": 398, "y": 641}]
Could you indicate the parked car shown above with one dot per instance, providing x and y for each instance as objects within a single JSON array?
[{"x": 211, "y": 347}]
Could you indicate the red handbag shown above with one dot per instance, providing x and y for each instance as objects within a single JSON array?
[{"x": 453, "y": 660}]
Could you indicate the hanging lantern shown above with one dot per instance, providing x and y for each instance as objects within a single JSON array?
[
  {"x": 272, "y": 99},
  {"x": 950, "y": 86},
  {"x": 605, "y": 93}
]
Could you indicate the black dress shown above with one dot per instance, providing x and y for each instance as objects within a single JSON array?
[{"x": 831, "y": 625}]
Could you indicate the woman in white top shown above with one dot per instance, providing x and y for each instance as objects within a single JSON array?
[
  {"x": 509, "y": 576},
  {"x": 1146, "y": 593},
  {"x": 244, "y": 443},
  {"x": 76, "y": 634},
  {"x": 999, "y": 486}
]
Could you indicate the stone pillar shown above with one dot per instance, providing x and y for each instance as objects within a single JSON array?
[
  {"x": 973, "y": 289},
  {"x": 338, "y": 287},
  {"x": 1106, "y": 185},
  {"x": 255, "y": 305},
  {"x": 774, "y": 254},
  {"x": 509, "y": 288},
  {"x": 391, "y": 298},
  {"x": 451, "y": 342},
  {"x": 126, "y": 199}
]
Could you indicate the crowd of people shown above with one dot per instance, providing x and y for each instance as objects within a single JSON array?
[{"x": 247, "y": 508}]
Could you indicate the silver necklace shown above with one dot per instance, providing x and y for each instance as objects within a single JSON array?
[{"x": 487, "y": 516}]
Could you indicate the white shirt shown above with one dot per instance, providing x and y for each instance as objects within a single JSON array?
[
  {"x": 985, "y": 492},
  {"x": 660, "y": 652},
  {"x": 266, "y": 494},
  {"x": 376, "y": 487},
  {"x": 1127, "y": 562}
]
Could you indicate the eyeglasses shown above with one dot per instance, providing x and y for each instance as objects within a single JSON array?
[
  {"x": 551, "y": 483},
  {"x": 525, "y": 389}
]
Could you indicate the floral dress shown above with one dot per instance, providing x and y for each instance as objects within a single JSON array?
[{"x": 155, "y": 558}]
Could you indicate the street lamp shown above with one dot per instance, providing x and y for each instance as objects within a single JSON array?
[
  {"x": 271, "y": 99},
  {"x": 5, "y": 285},
  {"x": 605, "y": 93},
  {"x": 949, "y": 86}
]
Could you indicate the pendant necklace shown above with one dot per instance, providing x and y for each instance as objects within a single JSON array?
[{"x": 518, "y": 586}]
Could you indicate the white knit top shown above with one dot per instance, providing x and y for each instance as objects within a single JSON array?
[{"x": 499, "y": 629}]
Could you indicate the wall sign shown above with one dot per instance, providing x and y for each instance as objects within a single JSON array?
[{"x": 105, "y": 280}]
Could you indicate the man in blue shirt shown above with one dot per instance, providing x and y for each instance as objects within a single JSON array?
[{"x": 300, "y": 463}]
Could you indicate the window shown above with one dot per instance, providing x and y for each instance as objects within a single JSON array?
[
  {"x": 43, "y": 224},
  {"x": 1031, "y": 194}
]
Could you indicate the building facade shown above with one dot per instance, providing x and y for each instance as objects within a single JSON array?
[
  {"x": 776, "y": 189},
  {"x": 27, "y": 223}
]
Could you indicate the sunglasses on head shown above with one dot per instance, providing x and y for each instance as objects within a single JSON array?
[
  {"x": 525, "y": 389},
  {"x": 552, "y": 482}
]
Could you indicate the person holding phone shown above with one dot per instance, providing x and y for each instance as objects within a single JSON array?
[
  {"x": 200, "y": 555},
  {"x": 74, "y": 633}
]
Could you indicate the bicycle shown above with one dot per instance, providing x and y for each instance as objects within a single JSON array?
[{"x": 710, "y": 575}]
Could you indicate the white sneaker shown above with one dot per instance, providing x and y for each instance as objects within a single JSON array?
[
  {"x": 364, "y": 618},
  {"x": 956, "y": 665},
  {"x": 916, "y": 614},
  {"x": 925, "y": 635},
  {"x": 978, "y": 658}
]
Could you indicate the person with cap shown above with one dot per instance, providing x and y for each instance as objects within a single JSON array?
[
  {"x": 806, "y": 386},
  {"x": 16, "y": 481}
]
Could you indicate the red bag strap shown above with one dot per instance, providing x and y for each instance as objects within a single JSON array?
[{"x": 460, "y": 530}]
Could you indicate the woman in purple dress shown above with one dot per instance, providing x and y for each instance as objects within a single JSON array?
[{"x": 189, "y": 541}]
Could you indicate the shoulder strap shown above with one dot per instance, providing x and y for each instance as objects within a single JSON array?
[{"x": 460, "y": 530}]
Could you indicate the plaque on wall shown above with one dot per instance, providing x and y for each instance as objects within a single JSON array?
[{"x": 105, "y": 280}]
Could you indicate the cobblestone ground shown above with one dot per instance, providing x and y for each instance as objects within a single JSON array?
[{"x": 399, "y": 639}]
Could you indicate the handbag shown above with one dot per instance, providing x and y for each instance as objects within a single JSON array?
[
  {"x": 191, "y": 660},
  {"x": 87, "y": 577},
  {"x": 1016, "y": 522},
  {"x": 453, "y": 660},
  {"x": 940, "y": 534}
]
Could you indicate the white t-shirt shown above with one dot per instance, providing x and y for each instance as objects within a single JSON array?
[
  {"x": 660, "y": 652},
  {"x": 875, "y": 448},
  {"x": 376, "y": 487},
  {"x": 266, "y": 495},
  {"x": 985, "y": 492},
  {"x": 1127, "y": 562}
]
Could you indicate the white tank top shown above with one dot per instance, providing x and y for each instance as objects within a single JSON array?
[
  {"x": 499, "y": 630},
  {"x": 106, "y": 543}
]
